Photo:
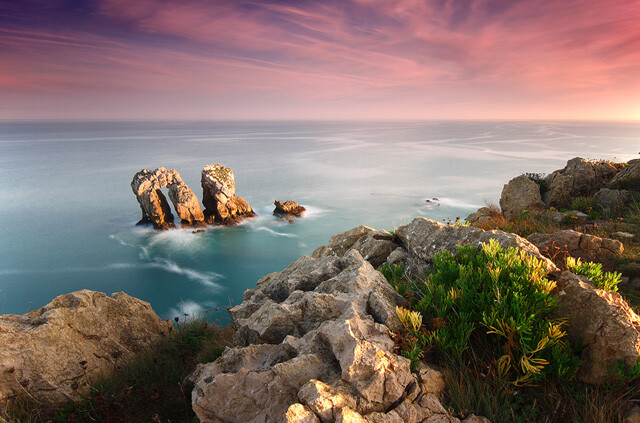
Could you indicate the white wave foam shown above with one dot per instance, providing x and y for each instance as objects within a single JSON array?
[
  {"x": 206, "y": 278},
  {"x": 186, "y": 310},
  {"x": 271, "y": 231},
  {"x": 449, "y": 202}
]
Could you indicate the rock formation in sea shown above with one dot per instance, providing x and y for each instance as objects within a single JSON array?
[
  {"x": 56, "y": 352},
  {"x": 219, "y": 197},
  {"x": 288, "y": 209},
  {"x": 146, "y": 186}
]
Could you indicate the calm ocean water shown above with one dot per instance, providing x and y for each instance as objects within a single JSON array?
[{"x": 68, "y": 212}]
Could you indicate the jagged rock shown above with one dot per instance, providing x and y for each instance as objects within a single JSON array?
[
  {"x": 315, "y": 345},
  {"x": 219, "y": 197},
  {"x": 56, "y": 352},
  {"x": 578, "y": 178},
  {"x": 288, "y": 209},
  {"x": 578, "y": 245},
  {"x": 604, "y": 323},
  {"x": 519, "y": 195},
  {"x": 374, "y": 246},
  {"x": 423, "y": 238},
  {"x": 628, "y": 177},
  {"x": 146, "y": 186},
  {"x": 611, "y": 199}
]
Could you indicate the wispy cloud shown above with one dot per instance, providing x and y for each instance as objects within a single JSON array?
[{"x": 414, "y": 58}]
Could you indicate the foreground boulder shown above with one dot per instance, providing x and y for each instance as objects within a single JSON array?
[
  {"x": 628, "y": 177},
  {"x": 603, "y": 322},
  {"x": 288, "y": 209},
  {"x": 54, "y": 353},
  {"x": 315, "y": 346},
  {"x": 146, "y": 186},
  {"x": 219, "y": 197}
]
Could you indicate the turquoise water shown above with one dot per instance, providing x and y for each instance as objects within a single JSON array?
[{"x": 68, "y": 213}]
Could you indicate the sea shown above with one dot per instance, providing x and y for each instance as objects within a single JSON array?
[{"x": 68, "y": 215}]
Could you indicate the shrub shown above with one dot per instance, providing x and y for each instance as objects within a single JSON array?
[
  {"x": 540, "y": 179},
  {"x": 498, "y": 300},
  {"x": 607, "y": 281}
]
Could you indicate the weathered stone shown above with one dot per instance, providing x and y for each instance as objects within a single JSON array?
[
  {"x": 56, "y": 352},
  {"x": 483, "y": 217},
  {"x": 374, "y": 246},
  {"x": 604, "y": 323},
  {"x": 578, "y": 245},
  {"x": 298, "y": 413},
  {"x": 633, "y": 415},
  {"x": 315, "y": 342},
  {"x": 219, "y": 197},
  {"x": 424, "y": 238},
  {"x": 611, "y": 200},
  {"x": 628, "y": 177},
  {"x": 519, "y": 195},
  {"x": 623, "y": 236},
  {"x": 288, "y": 209},
  {"x": 578, "y": 178},
  {"x": 146, "y": 186}
]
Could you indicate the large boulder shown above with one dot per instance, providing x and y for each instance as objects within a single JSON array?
[
  {"x": 375, "y": 246},
  {"x": 603, "y": 322},
  {"x": 146, "y": 186},
  {"x": 54, "y": 353},
  {"x": 611, "y": 200},
  {"x": 424, "y": 238},
  {"x": 579, "y": 177},
  {"x": 628, "y": 177},
  {"x": 578, "y": 245},
  {"x": 519, "y": 195},
  {"x": 314, "y": 345},
  {"x": 219, "y": 197}
]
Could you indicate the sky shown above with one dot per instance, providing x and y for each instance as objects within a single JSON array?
[{"x": 327, "y": 59}]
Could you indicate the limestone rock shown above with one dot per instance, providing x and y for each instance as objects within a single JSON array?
[
  {"x": 578, "y": 178},
  {"x": 606, "y": 325},
  {"x": 519, "y": 195},
  {"x": 288, "y": 209},
  {"x": 611, "y": 199},
  {"x": 56, "y": 352},
  {"x": 374, "y": 246},
  {"x": 424, "y": 238},
  {"x": 578, "y": 245},
  {"x": 314, "y": 343},
  {"x": 628, "y": 177},
  {"x": 219, "y": 197},
  {"x": 146, "y": 186}
]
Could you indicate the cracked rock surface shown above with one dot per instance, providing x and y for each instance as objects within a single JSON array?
[
  {"x": 314, "y": 345},
  {"x": 55, "y": 352}
]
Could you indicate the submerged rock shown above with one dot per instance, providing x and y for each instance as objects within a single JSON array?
[
  {"x": 146, "y": 186},
  {"x": 56, "y": 352},
  {"x": 219, "y": 197},
  {"x": 288, "y": 209}
]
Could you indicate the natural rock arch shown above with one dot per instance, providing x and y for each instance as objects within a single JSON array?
[{"x": 146, "y": 186}]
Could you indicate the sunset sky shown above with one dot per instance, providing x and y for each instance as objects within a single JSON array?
[{"x": 328, "y": 59}]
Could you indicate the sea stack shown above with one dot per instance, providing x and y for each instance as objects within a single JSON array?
[
  {"x": 146, "y": 186},
  {"x": 221, "y": 206},
  {"x": 288, "y": 209}
]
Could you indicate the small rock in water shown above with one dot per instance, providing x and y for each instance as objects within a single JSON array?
[{"x": 288, "y": 209}]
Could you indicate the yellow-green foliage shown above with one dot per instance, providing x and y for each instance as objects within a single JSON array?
[
  {"x": 607, "y": 281},
  {"x": 501, "y": 299}
]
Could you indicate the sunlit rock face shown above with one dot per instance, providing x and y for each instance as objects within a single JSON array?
[
  {"x": 55, "y": 353},
  {"x": 221, "y": 206},
  {"x": 146, "y": 186}
]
